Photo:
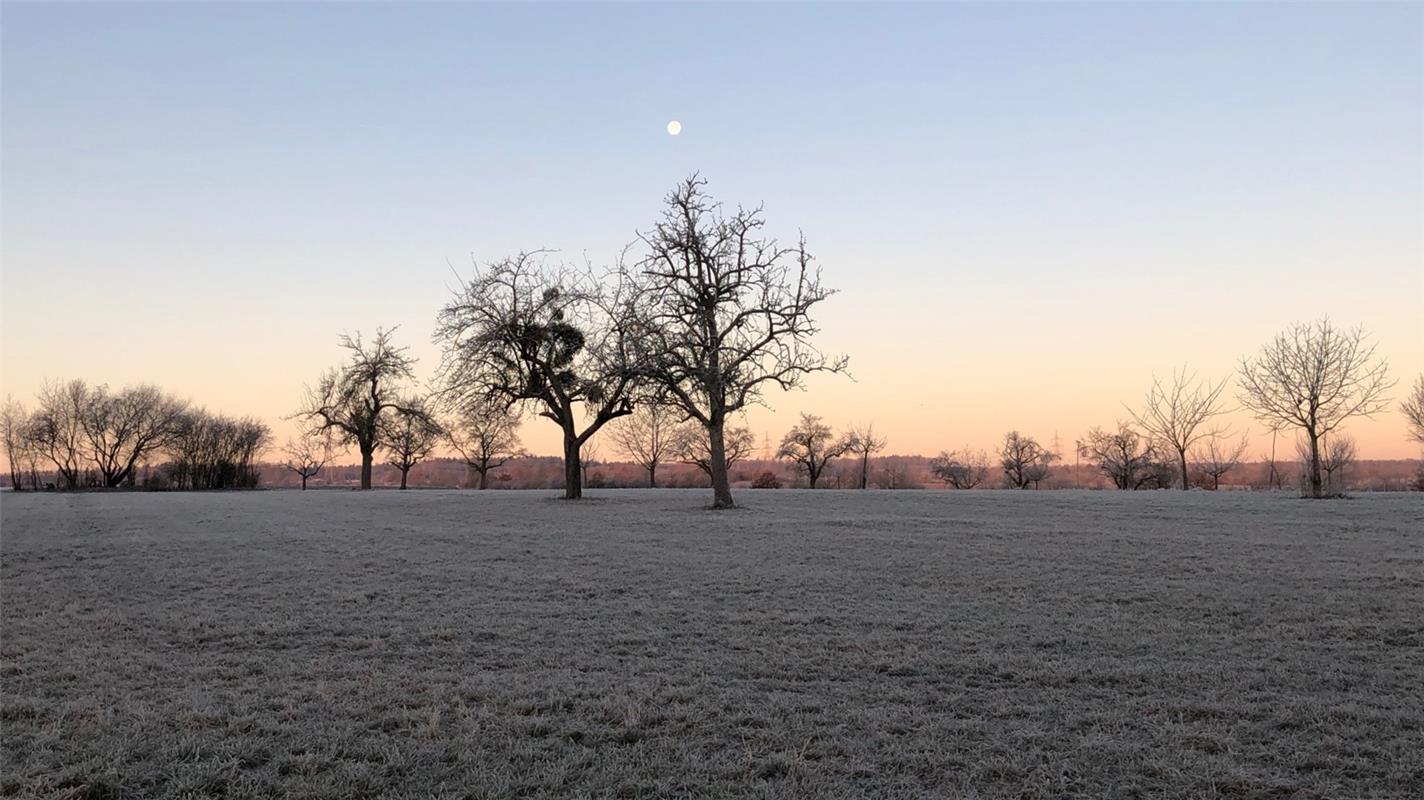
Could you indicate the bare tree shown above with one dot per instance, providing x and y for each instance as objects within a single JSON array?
[
  {"x": 811, "y": 445},
  {"x": 961, "y": 469},
  {"x": 1129, "y": 459},
  {"x": 690, "y": 445},
  {"x": 1175, "y": 414},
  {"x": 1025, "y": 462},
  {"x": 410, "y": 435},
  {"x": 646, "y": 436},
  {"x": 864, "y": 443},
  {"x": 725, "y": 313},
  {"x": 523, "y": 333},
  {"x": 57, "y": 427},
  {"x": 1215, "y": 457},
  {"x": 486, "y": 435},
  {"x": 210, "y": 451},
  {"x": 1273, "y": 471},
  {"x": 1336, "y": 454},
  {"x": 1314, "y": 377},
  {"x": 353, "y": 401},
  {"x": 307, "y": 454},
  {"x": 15, "y": 433},
  {"x": 1413, "y": 408},
  {"x": 589, "y": 457},
  {"x": 121, "y": 429}
]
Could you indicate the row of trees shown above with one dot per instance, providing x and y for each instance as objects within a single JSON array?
[
  {"x": 703, "y": 314},
  {"x": 91, "y": 436},
  {"x": 1311, "y": 379},
  {"x": 700, "y": 317},
  {"x": 1128, "y": 458},
  {"x": 520, "y": 337},
  {"x": 370, "y": 403}
]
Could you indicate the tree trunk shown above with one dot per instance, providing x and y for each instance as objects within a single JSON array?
[
  {"x": 865, "y": 471},
  {"x": 573, "y": 475},
  {"x": 1315, "y": 482},
  {"x": 653, "y": 476},
  {"x": 484, "y": 478},
  {"x": 366, "y": 454},
  {"x": 304, "y": 483},
  {"x": 721, "y": 484},
  {"x": 404, "y": 473},
  {"x": 1182, "y": 458},
  {"x": 812, "y": 477}
]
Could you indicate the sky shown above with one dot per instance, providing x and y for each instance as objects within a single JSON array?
[{"x": 1028, "y": 210}]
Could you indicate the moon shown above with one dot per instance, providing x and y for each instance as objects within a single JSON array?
[{"x": 674, "y": 128}]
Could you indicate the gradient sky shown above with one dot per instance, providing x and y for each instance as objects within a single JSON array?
[{"x": 1028, "y": 209}]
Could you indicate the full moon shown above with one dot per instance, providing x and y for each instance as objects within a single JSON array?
[{"x": 674, "y": 128}]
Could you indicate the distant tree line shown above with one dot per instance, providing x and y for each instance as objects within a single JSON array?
[{"x": 88, "y": 436}]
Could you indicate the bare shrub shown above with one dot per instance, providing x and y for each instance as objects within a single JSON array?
[
  {"x": 1129, "y": 459},
  {"x": 961, "y": 469}
]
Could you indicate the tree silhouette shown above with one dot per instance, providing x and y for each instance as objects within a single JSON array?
[
  {"x": 725, "y": 312},
  {"x": 1314, "y": 377},
  {"x": 353, "y": 401}
]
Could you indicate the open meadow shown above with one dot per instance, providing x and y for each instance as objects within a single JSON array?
[{"x": 812, "y": 644}]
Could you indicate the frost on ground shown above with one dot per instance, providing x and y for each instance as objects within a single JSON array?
[{"x": 815, "y": 644}]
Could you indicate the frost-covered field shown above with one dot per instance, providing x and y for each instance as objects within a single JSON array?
[{"x": 816, "y": 644}]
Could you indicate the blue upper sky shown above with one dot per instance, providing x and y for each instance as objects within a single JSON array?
[{"x": 965, "y": 164}]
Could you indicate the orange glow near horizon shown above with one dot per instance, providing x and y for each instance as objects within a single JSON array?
[{"x": 922, "y": 398}]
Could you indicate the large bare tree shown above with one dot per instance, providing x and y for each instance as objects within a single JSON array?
[
  {"x": 646, "y": 436},
  {"x": 811, "y": 445},
  {"x": 410, "y": 435},
  {"x": 1314, "y": 377},
  {"x": 486, "y": 435},
  {"x": 122, "y": 428},
  {"x": 1024, "y": 461},
  {"x": 1413, "y": 408},
  {"x": 554, "y": 338},
  {"x": 726, "y": 312},
  {"x": 864, "y": 443},
  {"x": 690, "y": 445},
  {"x": 353, "y": 400},
  {"x": 1175, "y": 414}
]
